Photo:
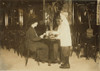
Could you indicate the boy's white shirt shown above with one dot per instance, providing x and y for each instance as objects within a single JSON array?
[{"x": 64, "y": 32}]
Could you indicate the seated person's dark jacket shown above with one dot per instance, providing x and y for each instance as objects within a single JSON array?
[
  {"x": 33, "y": 43},
  {"x": 31, "y": 35}
]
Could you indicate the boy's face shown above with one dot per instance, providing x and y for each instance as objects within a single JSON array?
[{"x": 58, "y": 21}]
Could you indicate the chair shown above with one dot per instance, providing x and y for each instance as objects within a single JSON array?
[
  {"x": 37, "y": 56},
  {"x": 26, "y": 58}
]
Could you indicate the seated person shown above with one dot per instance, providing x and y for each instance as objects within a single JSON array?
[{"x": 33, "y": 42}]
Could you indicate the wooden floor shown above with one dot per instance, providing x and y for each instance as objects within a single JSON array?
[{"x": 11, "y": 61}]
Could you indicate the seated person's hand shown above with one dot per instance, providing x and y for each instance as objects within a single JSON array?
[{"x": 42, "y": 36}]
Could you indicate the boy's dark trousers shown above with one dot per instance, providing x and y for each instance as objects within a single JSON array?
[{"x": 65, "y": 57}]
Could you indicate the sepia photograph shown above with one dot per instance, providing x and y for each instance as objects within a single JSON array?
[{"x": 49, "y": 35}]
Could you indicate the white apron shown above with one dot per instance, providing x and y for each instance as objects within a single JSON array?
[{"x": 64, "y": 32}]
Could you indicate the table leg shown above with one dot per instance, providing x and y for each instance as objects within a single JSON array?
[{"x": 49, "y": 63}]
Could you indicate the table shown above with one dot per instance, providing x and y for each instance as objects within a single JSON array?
[{"x": 51, "y": 43}]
